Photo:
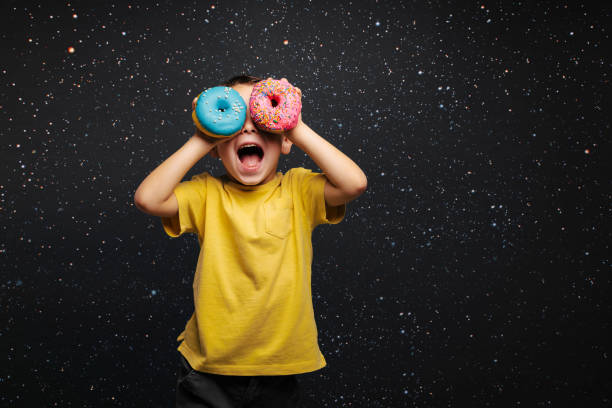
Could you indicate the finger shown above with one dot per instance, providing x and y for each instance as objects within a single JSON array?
[{"x": 193, "y": 103}]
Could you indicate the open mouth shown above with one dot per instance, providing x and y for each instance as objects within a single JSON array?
[{"x": 250, "y": 155}]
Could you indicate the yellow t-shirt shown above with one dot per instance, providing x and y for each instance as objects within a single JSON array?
[{"x": 253, "y": 311}]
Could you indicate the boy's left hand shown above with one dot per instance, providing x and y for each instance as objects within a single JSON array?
[{"x": 299, "y": 91}]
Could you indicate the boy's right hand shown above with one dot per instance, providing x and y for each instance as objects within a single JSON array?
[{"x": 212, "y": 141}]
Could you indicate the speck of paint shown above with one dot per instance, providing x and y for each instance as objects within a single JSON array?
[
  {"x": 71, "y": 50},
  {"x": 286, "y": 42}
]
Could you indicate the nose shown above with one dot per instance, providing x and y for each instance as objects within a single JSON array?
[{"x": 249, "y": 126}]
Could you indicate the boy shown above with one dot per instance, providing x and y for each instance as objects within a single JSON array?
[{"x": 253, "y": 324}]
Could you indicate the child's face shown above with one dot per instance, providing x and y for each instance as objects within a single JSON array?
[{"x": 251, "y": 157}]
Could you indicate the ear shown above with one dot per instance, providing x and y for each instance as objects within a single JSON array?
[
  {"x": 214, "y": 153},
  {"x": 286, "y": 145}
]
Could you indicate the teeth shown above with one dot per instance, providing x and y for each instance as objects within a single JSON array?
[{"x": 248, "y": 145}]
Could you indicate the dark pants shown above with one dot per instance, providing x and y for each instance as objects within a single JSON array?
[{"x": 198, "y": 389}]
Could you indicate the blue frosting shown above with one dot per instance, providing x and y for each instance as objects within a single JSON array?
[{"x": 221, "y": 110}]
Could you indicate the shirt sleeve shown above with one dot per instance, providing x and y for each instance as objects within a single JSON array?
[
  {"x": 191, "y": 198},
  {"x": 312, "y": 189}
]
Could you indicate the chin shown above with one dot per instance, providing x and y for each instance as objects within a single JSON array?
[{"x": 249, "y": 180}]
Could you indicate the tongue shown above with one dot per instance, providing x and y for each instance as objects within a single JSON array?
[{"x": 250, "y": 160}]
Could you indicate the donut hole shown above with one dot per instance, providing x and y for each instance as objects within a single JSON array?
[
  {"x": 274, "y": 101},
  {"x": 222, "y": 105}
]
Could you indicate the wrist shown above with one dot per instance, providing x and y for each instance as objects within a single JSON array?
[
  {"x": 200, "y": 143},
  {"x": 299, "y": 128}
]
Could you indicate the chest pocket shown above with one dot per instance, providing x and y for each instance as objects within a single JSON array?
[{"x": 279, "y": 220}]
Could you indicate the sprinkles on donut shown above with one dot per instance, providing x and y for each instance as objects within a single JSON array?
[
  {"x": 219, "y": 112},
  {"x": 275, "y": 105}
]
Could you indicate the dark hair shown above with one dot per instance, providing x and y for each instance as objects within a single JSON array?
[{"x": 242, "y": 79}]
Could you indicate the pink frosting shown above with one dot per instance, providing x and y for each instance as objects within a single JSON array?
[{"x": 275, "y": 105}]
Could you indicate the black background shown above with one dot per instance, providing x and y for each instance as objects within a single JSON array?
[{"x": 475, "y": 270}]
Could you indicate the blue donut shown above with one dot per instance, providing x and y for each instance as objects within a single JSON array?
[{"x": 219, "y": 112}]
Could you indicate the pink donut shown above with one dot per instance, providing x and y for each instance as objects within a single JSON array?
[{"x": 275, "y": 105}]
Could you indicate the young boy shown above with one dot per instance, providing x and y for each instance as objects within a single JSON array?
[{"x": 253, "y": 325}]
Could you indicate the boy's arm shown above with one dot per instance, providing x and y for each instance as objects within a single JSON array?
[
  {"x": 345, "y": 180},
  {"x": 155, "y": 195}
]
